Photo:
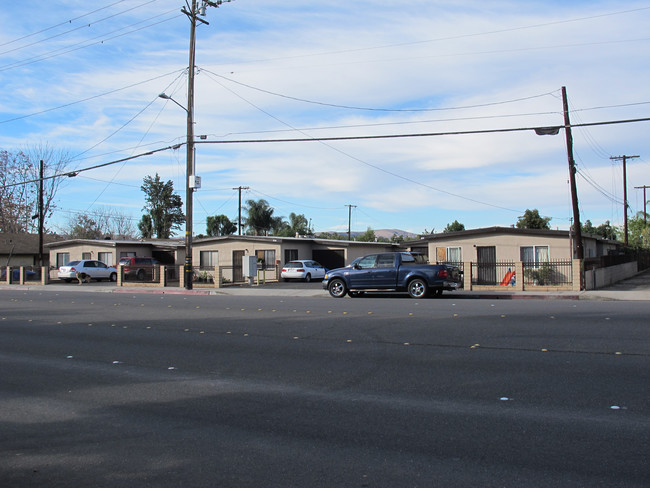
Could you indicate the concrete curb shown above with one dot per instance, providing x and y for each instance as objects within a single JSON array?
[{"x": 603, "y": 295}]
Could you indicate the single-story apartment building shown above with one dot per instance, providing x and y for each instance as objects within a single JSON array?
[
  {"x": 109, "y": 251},
  {"x": 492, "y": 244},
  {"x": 226, "y": 252}
]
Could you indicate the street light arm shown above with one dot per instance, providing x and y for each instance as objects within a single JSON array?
[{"x": 164, "y": 96}]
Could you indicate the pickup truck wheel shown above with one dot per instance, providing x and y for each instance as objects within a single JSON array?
[
  {"x": 337, "y": 288},
  {"x": 418, "y": 288}
]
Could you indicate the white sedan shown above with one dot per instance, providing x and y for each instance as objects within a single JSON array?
[
  {"x": 96, "y": 270},
  {"x": 303, "y": 270}
]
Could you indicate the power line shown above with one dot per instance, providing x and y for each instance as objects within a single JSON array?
[
  {"x": 85, "y": 26},
  {"x": 375, "y": 109},
  {"x": 555, "y": 128},
  {"x": 89, "y": 98},
  {"x": 90, "y": 43},
  {"x": 60, "y": 24}
]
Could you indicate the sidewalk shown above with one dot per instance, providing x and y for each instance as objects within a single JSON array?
[{"x": 633, "y": 289}]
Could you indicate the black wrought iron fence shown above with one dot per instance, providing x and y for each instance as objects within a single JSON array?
[
  {"x": 494, "y": 274},
  {"x": 552, "y": 273}
]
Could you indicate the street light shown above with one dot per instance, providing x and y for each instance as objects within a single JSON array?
[
  {"x": 190, "y": 179},
  {"x": 167, "y": 97}
]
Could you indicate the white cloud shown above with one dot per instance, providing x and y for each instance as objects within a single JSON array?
[{"x": 410, "y": 54}]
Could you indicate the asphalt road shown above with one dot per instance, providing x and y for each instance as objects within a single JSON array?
[{"x": 108, "y": 390}]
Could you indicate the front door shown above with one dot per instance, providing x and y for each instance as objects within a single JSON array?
[
  {"x": 237, "y": 266},
  {"x": 486, "y": 260}
]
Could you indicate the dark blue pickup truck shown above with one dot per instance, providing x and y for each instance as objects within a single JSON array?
[{"x": 392, "y": 271}]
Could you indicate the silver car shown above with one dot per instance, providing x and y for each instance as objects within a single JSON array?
[
  {"x": 96, "y": 270},
  {"x": 303, "y": 270}
]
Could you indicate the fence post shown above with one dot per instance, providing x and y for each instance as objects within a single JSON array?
[
  {"x": 45, "y": 275},
  {"x": 519, "y": 276},
  {"x": 119, "y": 275},
  {"x": 467, "y": 276},
  {"x": 181, "y": 277},
  {"x": 218, "y": 276},
  {"x": 576, "y": 273},
  {"x": 162, "y": 270}
]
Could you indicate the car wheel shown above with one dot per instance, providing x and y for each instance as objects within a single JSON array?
[
  {"x": 113, "y": 277},
  {"x": 141, "y": 274},
  {"x": 418, "y": 288},
  {"x": 308, "y": 278},
  {"x": 337, "y": 288}
]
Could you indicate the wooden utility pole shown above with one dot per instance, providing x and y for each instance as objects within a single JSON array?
[
  {"x": 624, "y": 158},
  {"x": 240, "y": 188},
  {"x": 645, "y": 213},
  {"x": 577, "y": 243},
  {"x": 350, "y": 221},
  {"x": 41, "y": 217}
]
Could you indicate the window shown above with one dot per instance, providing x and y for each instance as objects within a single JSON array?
[
  {"x": 105, "y": 257},
  {"x": 455, "y": 254},
  {"x": 86, "y": 255},
  {"x": 367, "y": 262},
  {"x": 209, "y": 258},
  {"x": 290, "y": 255},
  {"x": 62, "y": 258},
  {"x": 127, "y": 254},
  {"x": 267, "y": 257},
  {"x": 386, "y": 261},
  {"x": 534, "y": 255}
]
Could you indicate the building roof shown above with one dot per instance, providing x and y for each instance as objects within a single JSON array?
[
  {"x": 164, "y": 243},
  {"x": 277, "y": 239},
  {"x": 500, "y": 230},
  {"x": 24, "y": 243}
]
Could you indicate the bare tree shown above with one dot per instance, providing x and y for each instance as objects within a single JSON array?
[
  {"x": 103, "y": 222},
  {"x": 55, "y": 162}
]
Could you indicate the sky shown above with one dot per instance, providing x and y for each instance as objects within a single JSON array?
[{"x": 84, "y": 78}]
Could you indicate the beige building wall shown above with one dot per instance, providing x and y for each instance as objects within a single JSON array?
[{"x": 507, "y": 246}]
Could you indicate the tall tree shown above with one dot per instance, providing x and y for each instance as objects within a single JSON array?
[
  {"x": 455, "y": 226},
  {"x": 15, "y": 198},
  {"x": 367, "y": 236},
  {"x": 83, "y": 226},
  {"x": 19, "y": 200},
  {"x": 533, "y": 220},
  {"x": 220, "y": 225},
  {"x": 297, "y": 224},
  {"x": 164, "y": 207},
  {"x": 638, "y": 231},
  {"x": 260, "y": 218}
]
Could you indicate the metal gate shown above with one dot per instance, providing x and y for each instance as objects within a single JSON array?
[
  {"x": 237, "y": 266},
  {"x": 486, "y": 260}
]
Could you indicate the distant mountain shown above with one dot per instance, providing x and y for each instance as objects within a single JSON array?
[{"x": 385, "y": 233}]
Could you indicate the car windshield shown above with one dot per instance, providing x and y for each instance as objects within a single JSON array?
[{"x": 125, "y": 261}]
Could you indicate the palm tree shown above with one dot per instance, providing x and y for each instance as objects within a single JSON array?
[{"x": 260, "y": 217}]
